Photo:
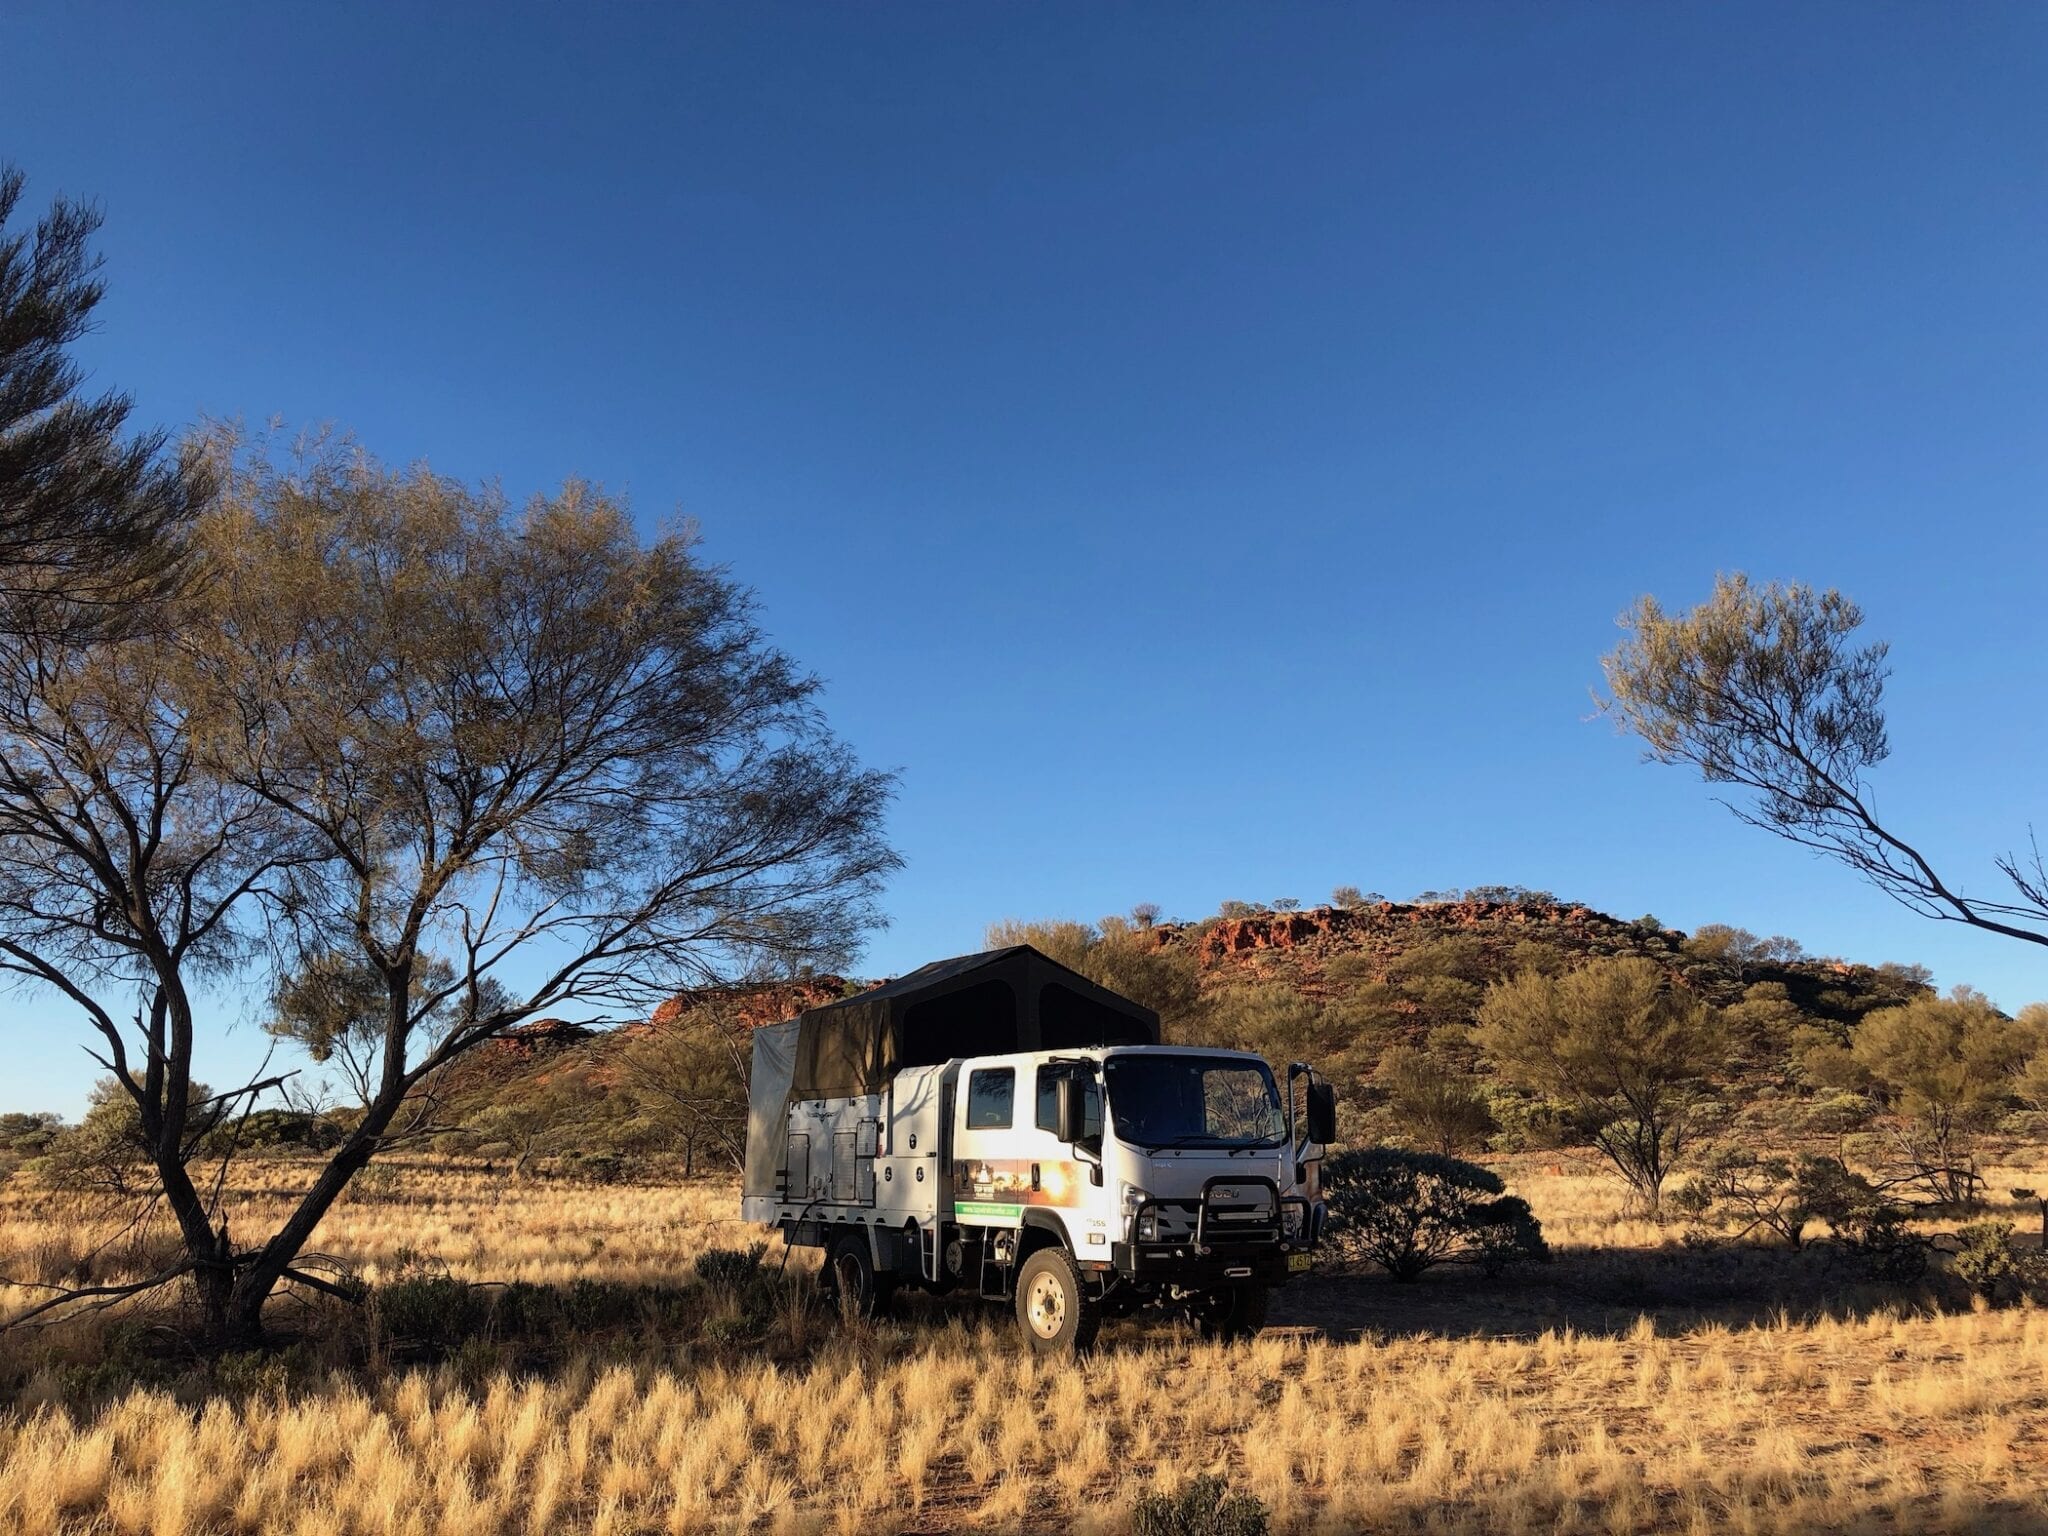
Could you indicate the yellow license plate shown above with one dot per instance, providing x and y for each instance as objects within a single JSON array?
[{"x": 1297, "y": 1262}]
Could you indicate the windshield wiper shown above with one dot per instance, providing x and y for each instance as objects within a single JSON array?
[{"x": 1210, "y": 1138}]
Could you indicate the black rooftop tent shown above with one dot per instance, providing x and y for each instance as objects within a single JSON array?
[{"x": 1006, "y": 1000}]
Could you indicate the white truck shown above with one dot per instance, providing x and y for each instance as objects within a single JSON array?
[{"x": 999, "y": 1125}]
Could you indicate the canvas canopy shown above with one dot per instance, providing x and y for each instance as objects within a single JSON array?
[
  {"x": 1005, "y": 1000},
  {"x": 768, "y": 1104}
]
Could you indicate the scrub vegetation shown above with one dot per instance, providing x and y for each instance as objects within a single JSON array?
[{"x": 544, "y": 1354}]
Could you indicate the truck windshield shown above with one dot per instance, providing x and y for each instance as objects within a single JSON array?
[{"x": 1159, "y": 1101}]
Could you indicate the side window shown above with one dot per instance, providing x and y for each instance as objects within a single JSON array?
[
  {"x": 1049, "y": 1102},
  {"x": 989, "y": 1096}
]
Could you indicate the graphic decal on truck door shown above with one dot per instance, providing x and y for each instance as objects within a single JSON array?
[{"x": 998, "y": 1189}]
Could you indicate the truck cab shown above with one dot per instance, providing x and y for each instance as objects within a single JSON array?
[{"x": 1075, "y": 1181}]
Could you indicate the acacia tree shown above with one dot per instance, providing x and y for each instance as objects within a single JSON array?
[
  {"x": 1943, "y": 1067},
  {"x": 501, "y": 760},
  {"x": 1763, "y": 687},
  {"x": 1625, "y": 1051},
  {"x": 129, "y": 878},
  {"x": 1435, "y": 1098},
  {"x": 91, "y": 523},
  {"x": 689, "y": 1075}
]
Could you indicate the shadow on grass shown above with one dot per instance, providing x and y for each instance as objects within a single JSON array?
[
  {"x": 744, "y": 1309},
  {"x": 1607, "y": 1291}
]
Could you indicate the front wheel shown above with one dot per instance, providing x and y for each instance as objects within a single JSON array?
[
  {"x": 1058, "y": 1315},
  {"x": 1235, "y": 1312}
]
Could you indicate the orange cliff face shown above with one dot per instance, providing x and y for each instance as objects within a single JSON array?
[{"x": 1574, "y": 926}]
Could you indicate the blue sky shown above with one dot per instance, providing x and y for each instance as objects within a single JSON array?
[{"x": 1204, "y": 448}]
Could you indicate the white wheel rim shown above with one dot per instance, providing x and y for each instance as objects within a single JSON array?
[{"x": 1046, "y": 1306}]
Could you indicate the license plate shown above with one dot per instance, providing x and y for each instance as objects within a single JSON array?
[{"x": 1297, "y": 1262}]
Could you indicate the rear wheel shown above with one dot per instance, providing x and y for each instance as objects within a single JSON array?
[
  {"x": 850, "y": 1278},
  {"x": 1235, "y": 1312},
  {"x": 1058, "y": 1315}
]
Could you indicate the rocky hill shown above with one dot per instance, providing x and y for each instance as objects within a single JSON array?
[
  {"x": 1338, "y": 985},
  {"x": 1321, "y": 951}
]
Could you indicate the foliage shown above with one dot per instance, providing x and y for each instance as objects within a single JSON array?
[
  {"x": 1437, "y": 1100},
  {"x": 1864, "y": 1219},
  {"x": 1760, "y": 1027},
  {"x": 1510, "y": 895},
  {"x": 30, "y": 1133},
  {"x": 1120, "y": 956},
  {"x": 92, "y": 518},
  {"x": 403, "y": 731},
  {"x": 1739, "y": 1187},
  {"x": 1202, "y": 1506},
  {"x": 1986, "y": 1261},
  {"x": 1943, "y": 1066},
  {"x": 545, "y": 1115},
  {"x": 1626, "y": 1052},
  {"x": 1764, "y": 688},
  {"x": 1410, "y": 1211},
  {"x": 731, "y": 1268},
  {"x": 689, "y": 1076},
  {"x": 1741, "y": 949}
]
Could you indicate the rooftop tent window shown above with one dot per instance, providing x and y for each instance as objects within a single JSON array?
[
  {"x": 990, "y": 1096},
  {"x": 973, "y": 1021},
  {"x": 1067, "y": 1020}
]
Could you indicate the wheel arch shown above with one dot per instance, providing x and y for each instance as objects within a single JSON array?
[{"x": 1042, "y": 1229}]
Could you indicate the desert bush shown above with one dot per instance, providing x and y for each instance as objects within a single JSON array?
[
  {"x": 1986, "y": 1261},
  {"x": 1871, "y": 1227},
  {"x": 1622, "y": 1049},
  {"x": 601, "y": 1167},
  {"x": 1204, "y": 1506},
  {"x": 1268, "y": 1017},
  {"x": 1943, "y": 1067},
  {"x": 1459, "y": 956},
  {"x": 1736, "y": 1187},
  {"x": 1410, "y": 1211},
  {"x": 1435, "y": 1099},
  {"x": 1511, "y": 895},
  {"x": 428, "y": 1313},
  {"x": 731, "y": 1268}
]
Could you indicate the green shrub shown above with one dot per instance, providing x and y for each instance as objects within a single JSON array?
[
  {"x": 429, "y": 1313},
  {"x": 597, "y": 1167},
  {"x": 731, "y": 1269},
  {"x": 1410, "y": 1211},
  {"x": 1736, "y": 1187},
  {"x": 1872, "y": 1228},
  {"x": 1986, "y": 1262},
  {"x": 1203, "y": 1507}
]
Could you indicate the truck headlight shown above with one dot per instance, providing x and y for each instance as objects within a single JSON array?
[{"x": 1146, "y": 1227}]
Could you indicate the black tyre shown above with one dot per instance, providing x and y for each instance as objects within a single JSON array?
[
  {"x": 1054, "y": 1308},
  {"x": 850, "y": 1278},
  {"x": 1236, "y": 1312}
]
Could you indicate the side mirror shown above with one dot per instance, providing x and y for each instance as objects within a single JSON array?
[
  {"x": 1072, "y": 1112},
  {"x": 1322, "y": 1114}
]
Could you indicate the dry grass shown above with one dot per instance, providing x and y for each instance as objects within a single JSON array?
[{"x": 1432, "y": 1421}]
